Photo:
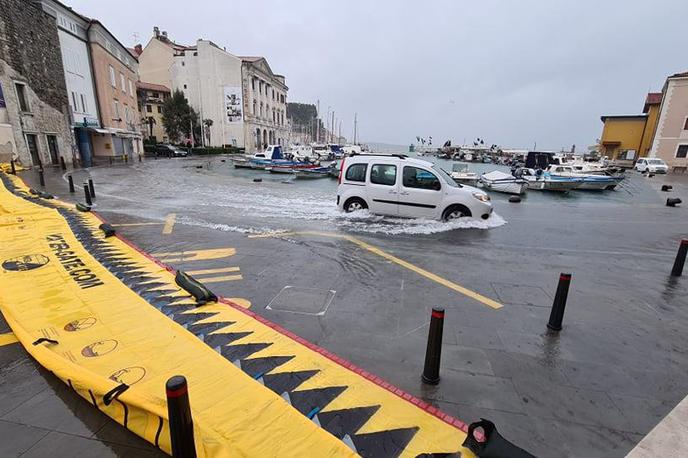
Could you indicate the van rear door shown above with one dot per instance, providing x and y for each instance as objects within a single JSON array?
[{"x": 383, "y": 187}]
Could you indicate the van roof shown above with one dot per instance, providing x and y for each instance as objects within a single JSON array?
[{"x": 366, "y": 157}]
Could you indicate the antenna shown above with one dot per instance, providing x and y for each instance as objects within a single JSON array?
[{"x": 136, "y": 37}]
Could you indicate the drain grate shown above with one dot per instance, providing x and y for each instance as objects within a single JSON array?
[{"x": 304, "y": 301}]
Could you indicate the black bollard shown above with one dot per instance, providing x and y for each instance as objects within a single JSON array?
[
  {"x": 140, "y": 158},
  {"x": 667, "y": 187},
  {"x": 41, "y": 178},
  {"x": 71, "y": 183},
  {"x": 62, "y": 163},
  {"x": 110, "y": 159},
  {"x": 12, "y": 168},
  {"x": 91, "y": 188},
  {"x": 680, "y": 260},
  {"x": 557, "y": 314},
  {"x": 673, "y": 201},
  {"x": 179, "y": 413},
  {"x": 87, "y": 195},
  {"x": 431, "y": 370}
]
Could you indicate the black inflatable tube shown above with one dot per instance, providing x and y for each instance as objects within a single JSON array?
[
  {"x": 107, "y": 229},
  {"x": 195, "y": 288},
  {"x": 83, "y": 208},
  {"x": 494, "y": 445}
]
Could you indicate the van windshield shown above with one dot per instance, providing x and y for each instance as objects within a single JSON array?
[{"x": 445, "y": 176}]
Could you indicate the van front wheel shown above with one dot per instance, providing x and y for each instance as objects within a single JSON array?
[
  {"x": 355, "y": 204},
  {"x": 455, "y": 212}
]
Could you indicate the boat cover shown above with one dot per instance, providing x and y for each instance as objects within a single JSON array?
[
  {"x": 496, "y": 175},
  {"x": 111, "y": 323}
]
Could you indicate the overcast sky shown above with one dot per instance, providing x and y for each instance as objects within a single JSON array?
[{"x": 511, "y": 72}]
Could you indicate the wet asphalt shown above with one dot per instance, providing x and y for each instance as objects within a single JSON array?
[{"x": 593, "y": 389}]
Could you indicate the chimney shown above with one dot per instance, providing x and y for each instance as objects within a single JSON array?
[
  {"x": 156, "y": 31},
  {"x": 138, "y": 49},
  {"x": 164, "y": 33}
]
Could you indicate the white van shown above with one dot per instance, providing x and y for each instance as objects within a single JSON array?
[
  {"x": 651, "y": 165},
  {"x": 397, "y": 185}
]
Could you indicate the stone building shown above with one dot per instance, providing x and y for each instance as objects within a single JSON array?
[
  {"x": 151, "y": 98},
  {"x": 34, "y": 112},
  {"x": 243, "y": 98}
]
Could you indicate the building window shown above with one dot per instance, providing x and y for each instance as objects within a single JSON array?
[
  {"x": 123, "y": 83},
  {"x": 126, "y": 114},
  {"x": 183, "y": 64},
  {"x": 682, "y": 151},
  {"x": 75, "y": 102},
  {"x": 159, "y": 109},
  {"x": 156, "y": 95},
  {"x": 273, "y": 94},
  {"x": 149, "y": 109},
  {"x": 685, "y": 124},
  {"x": 113, "y": 81},
  {"x": 255, "y": 105},
  {"x": 117, "y": 118},
  {"x": 21, "y": 97},
  {"x": 185, "y": 86},
  {"x": 32, "y": 143},
  {"x": 253, "y": 84},
  {"x": 83, "y": 104},
  {"x": 131, "y": 88}
]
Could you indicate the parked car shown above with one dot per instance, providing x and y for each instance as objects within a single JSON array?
[
  {"x": 170, "y": 150},
  {"x": 651, "y": 165},
  {"x": 397, "y": 185}
]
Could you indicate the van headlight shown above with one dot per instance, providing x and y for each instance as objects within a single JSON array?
[{"x": 481, "y": 196}]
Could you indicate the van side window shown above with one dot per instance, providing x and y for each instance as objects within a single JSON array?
[
  {"x": 420, "y": 179},
  {"x": 356, "y": 172},
  {"x": 383, "y": 174}
]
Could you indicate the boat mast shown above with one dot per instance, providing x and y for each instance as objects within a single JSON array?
[
  {"x": 355, "y": 126},
  {"x": 317, "y": 120}
]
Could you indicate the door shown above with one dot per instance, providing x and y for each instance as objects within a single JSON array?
[
  {"x": 52, "y": 148},
  {"x": 383, "y": 189},
  {"x": 32, "y": 143},
  {"x": 420, "y": 194}
]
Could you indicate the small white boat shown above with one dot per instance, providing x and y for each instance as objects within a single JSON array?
[
  {"x": 462, "y": 174},
  {"x": 590, "y": 181},
  {"x": 503, "y": 182},
  {"x": 544, "y": 181}
]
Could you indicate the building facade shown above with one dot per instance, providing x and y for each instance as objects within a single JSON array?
[
  {"x": 72, "y": 30},
  {"x": 629, "y": 137},
  {"x": 115, "y": 73},
  {"x": 151, "y": 99},
  {"x": 265, "y": 105},
  {"x": 240, "y": 101},
  {"x": 34, "y": 115},
  {"x": 671, "y": 140}
]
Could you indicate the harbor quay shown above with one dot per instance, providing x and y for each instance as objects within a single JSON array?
[{"x": 364, "y": 287}]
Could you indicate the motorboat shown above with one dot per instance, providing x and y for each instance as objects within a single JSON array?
[
  {"x": 592, "y": 182},
  {"x": 241, "y": 161},
  {"x": 462, "y": 174},
  {"x": 273, "y": 161},
  {"x": 316, "y": 172},
  {"x": 544, "y": 181},
  {"x": 503, "y": 182}
]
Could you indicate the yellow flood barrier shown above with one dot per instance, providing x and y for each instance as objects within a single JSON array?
[{"x": 101, "y": 315}]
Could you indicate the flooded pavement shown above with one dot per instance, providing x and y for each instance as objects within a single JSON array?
[{"x": 363, "y": 286}]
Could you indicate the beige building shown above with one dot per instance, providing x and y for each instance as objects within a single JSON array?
[
  {"x": 244, "y": 99},
  {"x": 671, "y": 137},
  {"x": 151, "y": 99},
  {"x": 115, "y": 72}
]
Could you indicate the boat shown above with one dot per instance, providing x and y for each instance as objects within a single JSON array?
[
  {"x": 544, "y": 181},
  {"x": 503, "y": 182},
  {"x": 591, "y": 182},
  {"x": 241, "y": 161},
  {"x": 317, "y": 172},
  {"x": 272, "y": 159},
  {"x": 462, "y": 174}
]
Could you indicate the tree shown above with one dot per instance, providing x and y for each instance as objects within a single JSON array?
[
  {"x": 207, "y": 123},
  {"x": 178, "y": 118}
]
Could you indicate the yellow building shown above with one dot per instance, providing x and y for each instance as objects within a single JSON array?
[
  {"x": 628, "y": 137},
  {"x": 151, "y": 98}
]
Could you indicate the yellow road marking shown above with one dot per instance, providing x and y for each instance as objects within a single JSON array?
[
  {"x": 220, "y": 279},
  {"x": 136, "y": 224},
  {"x": 195, "y": 255},
  {"x": 429, "y": 275},
  {"x": 169, "y": 223},
  {"x": 240, "y": 301},
  {"x": 213, "y": 271},
  {"x": 6, "y": 339}
]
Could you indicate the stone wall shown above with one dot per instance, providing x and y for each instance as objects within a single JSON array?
[{"x": 30, "y": 54}]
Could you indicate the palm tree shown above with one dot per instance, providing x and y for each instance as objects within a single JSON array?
[{"x": 207, "y": 123}]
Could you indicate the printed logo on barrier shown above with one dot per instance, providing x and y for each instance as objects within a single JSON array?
[
  {"x": 100, "y": 348},
  {"x": 128, "y": 375},
  {"x": 78, "y": 325},
  {"x": 24, "y": 263}
]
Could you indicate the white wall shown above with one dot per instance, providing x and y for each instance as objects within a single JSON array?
[
  {"x": 205, "y": 77},
  {"x": 78, "y": 77}
]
